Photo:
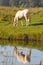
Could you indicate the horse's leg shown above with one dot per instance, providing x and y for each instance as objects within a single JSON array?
[
  {"x": 21, "y": 23},
  {"x": 27, "y": 20}
]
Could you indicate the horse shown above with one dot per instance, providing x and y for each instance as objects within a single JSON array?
[
  {"x": 22, "y": 57},
  {"x": 20, "y": 15}
]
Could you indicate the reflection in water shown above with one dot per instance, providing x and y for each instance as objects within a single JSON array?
[
  {"x": 40, "y": 63},
  {"x": 7, "y": 56},
  {"x": 22, "y": 57}
]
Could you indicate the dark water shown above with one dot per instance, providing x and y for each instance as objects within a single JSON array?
[{"x": 7, "y": 55}]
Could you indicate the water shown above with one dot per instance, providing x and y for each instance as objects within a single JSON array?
[{"x": 7, "y": 55}]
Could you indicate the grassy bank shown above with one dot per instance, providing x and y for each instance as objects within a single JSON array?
[
  {"x": 34, "y": 31},
  {"x": 28, "y": 44}
]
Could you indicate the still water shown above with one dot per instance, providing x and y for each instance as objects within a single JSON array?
[{"x": 7, "y": 56}]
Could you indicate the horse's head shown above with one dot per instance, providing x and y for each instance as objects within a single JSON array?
[
  {"x": 15, "y": 51},
  {"x": 15, "y": 22}
]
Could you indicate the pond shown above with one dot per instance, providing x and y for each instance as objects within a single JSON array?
[{"x": 8, "y": 57}]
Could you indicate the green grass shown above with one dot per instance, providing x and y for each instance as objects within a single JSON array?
[
  {"x": 29, "y": 44},
  {"x": 35, "y": 30}
]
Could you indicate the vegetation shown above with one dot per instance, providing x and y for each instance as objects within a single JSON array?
[
  {"x": 34, "y": 31},
  {"x": 22, "y": 3},
  {"x": 29, "y": 44}
]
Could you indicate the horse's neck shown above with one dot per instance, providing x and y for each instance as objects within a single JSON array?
[{"x": 16, "y": 19}]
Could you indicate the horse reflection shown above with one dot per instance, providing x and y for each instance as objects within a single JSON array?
[
  {"x": 22, "y": 57},
  {"x": 40, "y": 63}
]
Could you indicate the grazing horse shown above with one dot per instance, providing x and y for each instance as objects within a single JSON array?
[
  {"x": 22, "y": 57},
  {"x": 22, "y": 14}
]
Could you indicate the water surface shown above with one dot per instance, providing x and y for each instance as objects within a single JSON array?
[{"x": 7, "y": 55}]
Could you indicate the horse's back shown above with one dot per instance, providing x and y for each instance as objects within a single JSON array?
[
  {"x": 26, "y": 11},
  {"x": 18, "y": 13},
  {"x": 22, "y": 12}
]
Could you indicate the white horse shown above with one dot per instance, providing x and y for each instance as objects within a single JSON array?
[
  {"x": 22, "y": 14},
  {"x": 22, "y": 57}
]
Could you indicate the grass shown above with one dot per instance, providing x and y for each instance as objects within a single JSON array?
[
  {"x": 25, "y": 44},
  {"x": 35, "y": 30}
]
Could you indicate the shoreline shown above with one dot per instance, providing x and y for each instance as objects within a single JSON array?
[{"x": 21, "y": 39}]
